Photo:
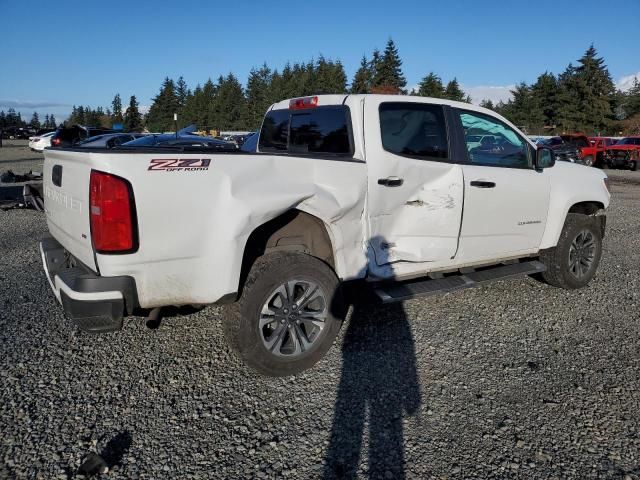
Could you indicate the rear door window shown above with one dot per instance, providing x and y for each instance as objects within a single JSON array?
[{"x": 415, "y": 130}]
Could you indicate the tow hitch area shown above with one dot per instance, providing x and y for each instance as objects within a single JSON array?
[{"x": 96, "y": 304}]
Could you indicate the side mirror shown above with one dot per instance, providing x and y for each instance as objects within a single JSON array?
[{"x": 545, "y": 158}]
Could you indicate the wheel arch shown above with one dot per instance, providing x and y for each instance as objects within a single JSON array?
[
  {"x": 293, "y": 230},
  {"x": 556, "y": 223}
]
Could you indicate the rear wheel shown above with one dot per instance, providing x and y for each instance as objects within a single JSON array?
[
  {"x": 288, "y": 315},
  {"x": 635, "y": 165},
  {"x": 573, "y": 262}
]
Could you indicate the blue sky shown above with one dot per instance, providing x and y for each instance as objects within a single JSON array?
[{"x": 56, "y": 54}]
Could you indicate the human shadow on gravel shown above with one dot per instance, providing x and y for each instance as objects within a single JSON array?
[{"x": 379, "y": 384}]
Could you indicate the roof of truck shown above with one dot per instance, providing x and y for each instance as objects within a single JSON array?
[{"x": 323, "y": 100}]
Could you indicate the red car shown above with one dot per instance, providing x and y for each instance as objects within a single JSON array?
[
  {"x": 624, "y": 154},
  {"x": 587, "y": 152},
  {"x": 598, "y": 149}
]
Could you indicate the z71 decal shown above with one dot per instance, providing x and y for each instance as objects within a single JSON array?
[{"x": 179, "y": 165}]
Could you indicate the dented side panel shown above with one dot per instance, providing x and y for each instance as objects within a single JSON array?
[
  {"x": 416, "y": 223},
  {"x": 194, "y": 224}
]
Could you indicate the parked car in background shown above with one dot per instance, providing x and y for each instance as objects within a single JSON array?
[
  {"x": 624, "y": 154},
  {"x": 15, "y": 133},
  {"x": 183, "y": 139},
  {"x": 109, "y": 140},
  {"x": 563, "y": 151},
  {"x": 39, "y": 143},
  {"x": 70, "y": 136},
  {"x": 599, "y": 146}
]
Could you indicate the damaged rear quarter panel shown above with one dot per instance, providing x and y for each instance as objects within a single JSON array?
[{"x": 193, "y": 225}]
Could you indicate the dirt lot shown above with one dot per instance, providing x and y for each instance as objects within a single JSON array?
[{"x": 512, "y": 380}]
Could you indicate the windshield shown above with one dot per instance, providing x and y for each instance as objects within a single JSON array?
[
  {"x": 629, "y": 141},
  {"x": 550, "y": 141},
  {"x": 146, "y": 141}
]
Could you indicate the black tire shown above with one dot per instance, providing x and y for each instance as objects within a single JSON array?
[
  {"x": 558, "y": 259},
  {"x": 242, "y": 318},
  {"x": 588, "y": 161},
  {"x": 635, "y": 165}
]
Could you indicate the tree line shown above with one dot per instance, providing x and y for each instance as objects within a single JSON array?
[
  {"x": 131, "y": 119},
  {"x": 583, "y": 98},
  {"x": 12, "y": 119}
]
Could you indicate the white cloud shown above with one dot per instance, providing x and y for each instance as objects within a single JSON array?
[
  {"x": 30, "y": 105},
  {"x": 626, "y": 82},
  {"x": 144, "y": 109},
  {"x": 495, "y": 93}
]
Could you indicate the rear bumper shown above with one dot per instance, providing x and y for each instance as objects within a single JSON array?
[{"x": 96, "y": 304}]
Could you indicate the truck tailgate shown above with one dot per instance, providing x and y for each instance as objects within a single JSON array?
[{"x": 66, "y": 194}]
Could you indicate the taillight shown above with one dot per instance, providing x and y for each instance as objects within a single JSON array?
[
  {"x": 112, "y": 213},
  {"x": 56, "y": 141},
  {"x": 304, "y": 102}
]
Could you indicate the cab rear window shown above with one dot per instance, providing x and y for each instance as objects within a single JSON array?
[{"x": 319, "y": 130}]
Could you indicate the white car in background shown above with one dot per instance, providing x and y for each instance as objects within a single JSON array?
[{"x": 39, "y": 143}]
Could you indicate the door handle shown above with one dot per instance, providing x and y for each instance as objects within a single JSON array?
[
  {"x": 390, "y": 181},
  {"x": 482, "y": 184}
]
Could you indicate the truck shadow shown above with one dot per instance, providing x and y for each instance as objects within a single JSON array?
[{"x": 378, "y": 387}]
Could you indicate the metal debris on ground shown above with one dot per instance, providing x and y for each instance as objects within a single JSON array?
[{"x": 21, "y": 191}]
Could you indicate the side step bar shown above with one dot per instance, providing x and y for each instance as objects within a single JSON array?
[{"x": 396, "y": 292}]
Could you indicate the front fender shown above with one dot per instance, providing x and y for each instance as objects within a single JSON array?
[{"x": 571, "y": 184}]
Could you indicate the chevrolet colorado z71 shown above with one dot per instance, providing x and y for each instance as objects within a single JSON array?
[{"x": 386, "y": 189}]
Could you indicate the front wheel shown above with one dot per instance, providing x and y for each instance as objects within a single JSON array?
[
  {"x": 588, "y": 161},
  {"x": 573, "y": 262},
  {"x": 635, "y": 165},
  {"x": 288, "y": 315}
]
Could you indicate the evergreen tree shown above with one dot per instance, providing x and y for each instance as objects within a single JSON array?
[
  {"x": 229, "y": 106},
  {"x": 431, "y": 86},
  {"x": 545, "y": 96},
  {"x": 116, "y": 107},
  {"x": 80, "y": 117},
  {"x": 182, "y": 92},
  {"x": 522, "y": 111},
  {"x": 132, "y": 117},
  {"x": 486, "y": 103},
  {"x": 595, "y": 90},
  {"x": 52, "y": 121},
  {"x": 568, "y": 116},
  {"x": 207, "y": 117},
  {"x": 47, "y": 122},
  {"x": 192, "y": 112},
  {"x": 327, "y": 77},
  {"x": 454, "y": 92},
  {"x": 35, "y": 120},
  {"x": 163, "y": 106},
  {"x": 258, "y": 98},
  {"x": 362, "y": 78},
  {"x": 3, "y": 119},
  {"x": 388, "y": 72},
  {"x": 631, "y": 100}
]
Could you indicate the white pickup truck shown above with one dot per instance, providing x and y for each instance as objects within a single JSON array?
[{"x": 393, "y": 190}]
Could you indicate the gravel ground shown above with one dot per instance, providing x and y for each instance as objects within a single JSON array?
[
  {"x": 15, "y": 155},
  {"x": 512, "y": 380}
]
